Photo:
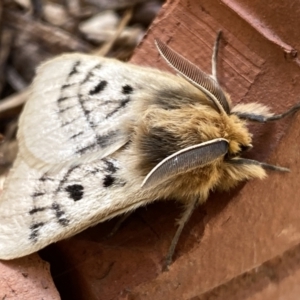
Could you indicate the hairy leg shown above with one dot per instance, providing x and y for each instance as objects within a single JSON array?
[
  {"x": 214, "y": 58},
  {"x": 184, "y": 219},
  {"x": 262, "y": 118},
  {"x": 118, "y": 224}
]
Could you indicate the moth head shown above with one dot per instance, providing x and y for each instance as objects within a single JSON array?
[
  {"x": 218, "y": 138},
  {"x": 238, "y": 135}
]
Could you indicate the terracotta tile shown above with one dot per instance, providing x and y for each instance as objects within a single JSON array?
[{"x": 26, "y": 278}]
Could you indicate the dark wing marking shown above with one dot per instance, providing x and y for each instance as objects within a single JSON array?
[
  {"x": 76, "y": 113},
  {"x": 53, "y": 193}
]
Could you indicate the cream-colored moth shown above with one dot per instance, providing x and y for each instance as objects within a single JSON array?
[{"x": 99, "y": 138}]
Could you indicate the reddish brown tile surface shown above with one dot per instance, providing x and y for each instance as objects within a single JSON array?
[
  {"x": 233, "y": 233},
  {"x": 26, "y": 278}
]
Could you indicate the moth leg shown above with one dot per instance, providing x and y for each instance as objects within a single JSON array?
[
  {"x": 246, "y": 161},
  {"x": 262, "y": 119},
  {"x": 215, "y": 56},
  {"x": 185, "y": 217},
  {"x": 118, "y": 224}
]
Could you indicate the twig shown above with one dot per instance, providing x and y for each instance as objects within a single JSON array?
[
  {"x": 37, "y": 6},
  {"x": 15, "y": 80},
  {"x": 14, "y": 100},
  {"x": 5, "y": 47},
  {"x": 108, "y": 45},
  {"x": 50, "y": 35}
]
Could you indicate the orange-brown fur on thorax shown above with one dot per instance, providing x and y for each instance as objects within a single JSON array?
[{"x": 162, "y": 132}]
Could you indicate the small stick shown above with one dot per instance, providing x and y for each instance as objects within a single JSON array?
[
  {"x": 214, "y": 59},
  {"x": 108, "y": 45}
]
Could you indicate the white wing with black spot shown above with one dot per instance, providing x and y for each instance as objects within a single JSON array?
[
  {"x": 40, "y": 208},
  {"x": 78, "y": 110},
  {"x": 71, "y": 171}
]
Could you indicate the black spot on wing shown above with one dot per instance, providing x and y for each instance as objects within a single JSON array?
[
  {"x": 108, "y": 180},
  {"x": 60, "y": 214},
  {"x": 127, "y": 89},
  {"x": 102, "y": 140},
  {"x": 105, "y": 140},
  {"x": 69, "y": 122},
  {"x": 61, "y": 99},
  {"x": 37, "y": 194},
  {"x": 76, "y": 135},
  {"x": 65, "y": 86},
  {"x": 95, "y": 171},
  {"x": 36, "y": 225},
  {"x": 44, "y": 178},
  {"x": 110, "y": 167},
  {"x": 62, "y": 110},
  {"x": 91, "y": 73},
  {"x": 35, "y": 230},
  {"x": 33, "y": 235},
  {"x": 99, "y": 87},
  {"x": 74, "y": 69},
  {"x": 90, "y": 147},
  {"x": 122, "y": 104},
  {"x": 63, "y": 221},
  {"x": 85, "y": 111},
  {"x": 36, "y": 210},
  {"x": 75, "y": 191},
  {"x": 65, "y": 178}
]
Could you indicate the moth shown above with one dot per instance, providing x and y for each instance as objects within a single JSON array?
[{"x": 99, "y": 138}]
